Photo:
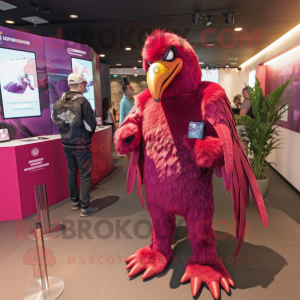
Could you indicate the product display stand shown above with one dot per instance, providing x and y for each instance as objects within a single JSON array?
[
  {"x": 46, "y": 288},
  {"x": 49, "y": 231}
]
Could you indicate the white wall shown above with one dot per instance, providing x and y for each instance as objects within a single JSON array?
[
  {"x": 233, "y": 82},
  {"x": 287, "y": 158}
]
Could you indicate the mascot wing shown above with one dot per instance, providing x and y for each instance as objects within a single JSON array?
[{"x": 237, "y": 172}]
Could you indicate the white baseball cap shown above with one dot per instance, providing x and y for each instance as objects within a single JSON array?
[{"x": 76, "y": 79}]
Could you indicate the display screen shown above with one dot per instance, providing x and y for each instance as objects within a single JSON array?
[
  {"x": 99, "y": 121},
  {"x": 85, "y": 68},
  {"x": 195, "y": 130},
  {"x": 4, "y": 135},
  {"x": 18, "y": 80}
]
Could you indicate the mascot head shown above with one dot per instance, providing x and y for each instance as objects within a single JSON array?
[{"x": 172, "y": 65}]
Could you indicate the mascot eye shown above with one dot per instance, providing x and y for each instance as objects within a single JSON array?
[{"x": 170, "y": 54}]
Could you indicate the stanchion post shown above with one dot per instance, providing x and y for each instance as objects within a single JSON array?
[
  {"x": 41, "y": 256},
  {"x": 46, "y": 288},
  {"x": 49, "y": 231},
  {"x": 41, "y": 201}
]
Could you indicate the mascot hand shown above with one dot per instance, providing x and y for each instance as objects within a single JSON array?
[
  {"x": 127, "y": 138},
  {"x": 206, "y": 153}
]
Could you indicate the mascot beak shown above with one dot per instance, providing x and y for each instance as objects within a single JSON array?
[{"x": 160, "y": 75}]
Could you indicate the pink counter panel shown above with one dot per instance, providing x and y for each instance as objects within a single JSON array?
[{"x": 29, "y": 162}]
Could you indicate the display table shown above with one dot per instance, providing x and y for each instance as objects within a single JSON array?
[{"x": 29, "y": 162}]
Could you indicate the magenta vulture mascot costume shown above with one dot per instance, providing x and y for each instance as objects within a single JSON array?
[{"x": 178, "y": 171}]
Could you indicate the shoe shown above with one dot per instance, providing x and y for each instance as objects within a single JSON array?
[
  {"x": 76, "y": 205},
  {"x": 85, "y": 212}
]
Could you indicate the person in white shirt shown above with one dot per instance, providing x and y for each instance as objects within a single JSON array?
[{"x": 108, "y": 115}]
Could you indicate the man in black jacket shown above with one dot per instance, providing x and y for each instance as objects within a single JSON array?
[{"x": 75, "y": 120}]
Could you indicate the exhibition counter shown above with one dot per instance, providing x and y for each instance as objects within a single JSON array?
[{"x": 29, "y": 162}]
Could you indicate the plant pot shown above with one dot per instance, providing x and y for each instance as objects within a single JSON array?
[{"x": 263, "y": 186}]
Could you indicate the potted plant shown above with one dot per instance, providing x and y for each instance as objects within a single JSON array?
[{"x": 261, "y": 132}]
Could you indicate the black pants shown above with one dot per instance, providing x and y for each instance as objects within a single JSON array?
[{"x": 83, "y": 160}]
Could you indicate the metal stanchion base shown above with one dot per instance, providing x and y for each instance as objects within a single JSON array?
[
  {"x": 55, "y": 231},
  {"x": 35, "y": 292}
]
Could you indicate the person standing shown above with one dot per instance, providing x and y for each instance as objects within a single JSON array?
[
  {"x": 246, "y": 110},
  {"x": 73, "y": 115},
  {"x": 108, "y": 115},
  {"x": 237, "y": 100},
  {"x": 127, "y": 101},
  {"x": 246, "y": 107}
]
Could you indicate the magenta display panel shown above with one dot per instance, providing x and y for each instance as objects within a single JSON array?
[
  {"x": 23, "y": 42},
  {"x": 279, "y": 72},
  {"x": 59, "y": 54}
]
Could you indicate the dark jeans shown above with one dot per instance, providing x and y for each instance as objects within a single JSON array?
[{"x": 83, "y": 160}]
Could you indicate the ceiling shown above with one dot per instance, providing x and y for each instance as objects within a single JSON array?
[{"x": 110, "y": 26}]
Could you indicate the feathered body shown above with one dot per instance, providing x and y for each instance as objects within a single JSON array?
[{"x": 177, "y": 172}]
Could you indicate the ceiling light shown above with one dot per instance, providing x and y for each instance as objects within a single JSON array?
[
  {"x": 135, "y": 75},
  {"x": 227, "y": 66},
  {"x": 74, "y": 16},
  {"x": 233, "y": 58},
  {"x": 278, "y": 46},
  {"x": 201, "y": 63},
  {"x": 46, "y": 10},
  {"x": 210, "y": 45},
  {"x": 281, "y": 56},
  {"x": 229, "y": 18},
  {"x": 135, "y": 68},
  {"x": 34, "y": 6},
  {"x": 127, "y": 49},
  {"x": 10, "y": 22},
  {"x": 233, "y": 63},
  {"x": 238, "y": 29},
  {"x": 208, "y": 19},
  {"x": 35, "y": 20},
  {"x": 207, "y": 67},
  {"x": 217, "y": 67},
  {"x": 118, "y": 64},
  {"x": 139, "y": 61},
  {"x": 102, "y": 55},
  {"x": 6, "y": 6},
  {"x": 196, "y": 19}
]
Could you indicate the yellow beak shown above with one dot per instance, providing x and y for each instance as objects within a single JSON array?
[{"x": 160, "y": 75}]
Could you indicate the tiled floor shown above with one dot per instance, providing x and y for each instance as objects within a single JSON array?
[{"x": 89, "y": 257}]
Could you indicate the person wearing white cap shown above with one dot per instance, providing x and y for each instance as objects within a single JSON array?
[{"x": 76, "y": 122}]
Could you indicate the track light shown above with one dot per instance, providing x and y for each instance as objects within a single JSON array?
[
  {"x": 217, "y": 67},
  {"x": 34, "y": 6},
  {"x": 208, "y": 19},
  {"x": 229, "y": 18},
  {"x": 207, "y": 67},
  {"x": 46, "y": 10},
  {"x": 196, "y": 19}
]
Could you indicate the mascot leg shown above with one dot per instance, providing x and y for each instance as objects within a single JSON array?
[
  {"x": 204, "y": 266},
  {"x": 155, "y": 257}
]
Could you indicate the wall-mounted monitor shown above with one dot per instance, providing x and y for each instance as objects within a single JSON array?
[
  {"x": 18, "y": 81},
  {"x": 85, "y": 68}
]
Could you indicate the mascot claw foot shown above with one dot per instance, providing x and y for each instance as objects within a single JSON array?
[
  {"x": 212, "y": 275},
  {"x": 146, "y": 259}
]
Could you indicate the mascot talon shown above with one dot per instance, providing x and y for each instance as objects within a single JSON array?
[
  {"x": 212, "y": 275},
  {"x": 178, "y": 172},
  {"x": 145, "y": 259}
]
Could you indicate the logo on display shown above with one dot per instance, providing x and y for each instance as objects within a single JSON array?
[
  {"x": 67, "y": 116},
  {"x": 76, "y": 52},
  {"x": 35, "y": 152}
]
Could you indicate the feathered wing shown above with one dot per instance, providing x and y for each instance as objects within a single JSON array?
[
  {"x": 16, "y": 86},
  {"x": 237, "y": 172}
]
